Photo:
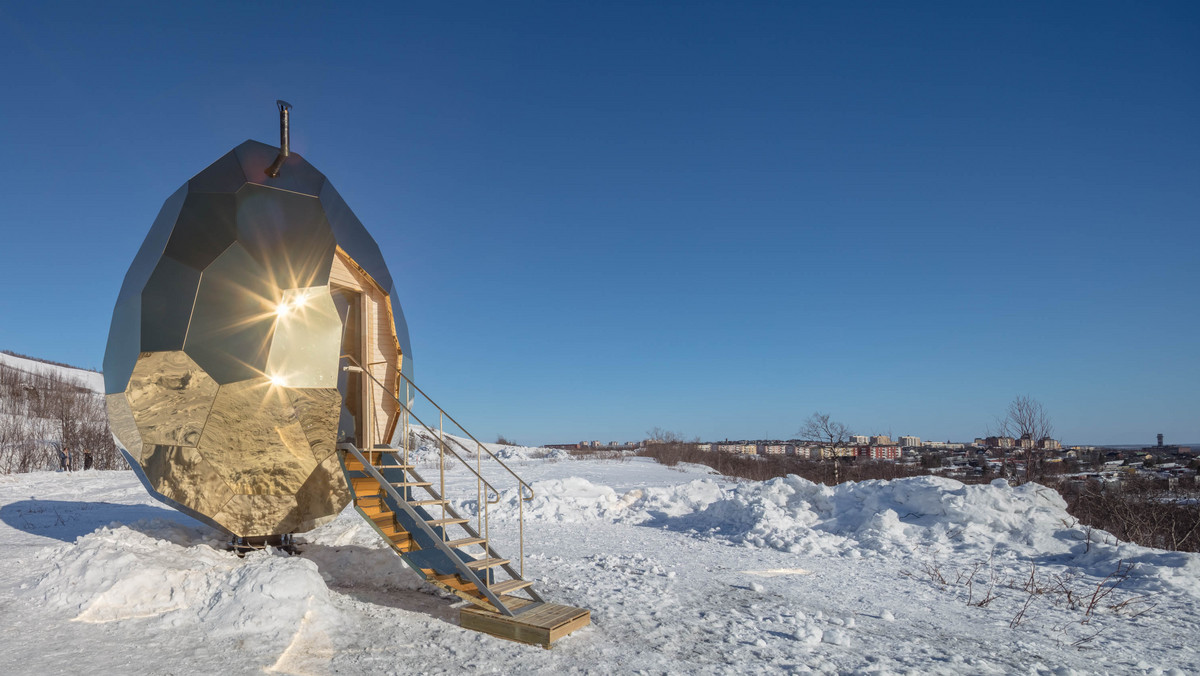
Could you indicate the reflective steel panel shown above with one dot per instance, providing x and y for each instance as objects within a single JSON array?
[
  {"x": 167, "y": 304},
  {"x": 147, "y": 257},
  {"x": 124, "y": 344},
  {"x": 287, "y": 234},
  {"x": 296, "y": 175},
  {"x": 206, "y": 227},
  {"x": 235, "y": 312},
  {"x": 353, "y": 237},
  {"x": 224, "y": 175}
]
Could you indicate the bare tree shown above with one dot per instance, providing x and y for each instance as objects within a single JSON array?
[
  {"x": 819, "y": 427},
  {"x": 1026, "y": 418},
  {"x": 660, "y": 435}
]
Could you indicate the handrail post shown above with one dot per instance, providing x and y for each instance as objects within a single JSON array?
[
  {"x": 442, "y": 463},
  {"x": 478, "y": 486}
]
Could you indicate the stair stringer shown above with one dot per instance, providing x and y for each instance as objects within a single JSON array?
[{"x": 428, "y": 559}]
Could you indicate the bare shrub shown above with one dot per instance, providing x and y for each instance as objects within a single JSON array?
[
  {"x": 1139, "y": 510},
  {"x": 42, "y": 411}
]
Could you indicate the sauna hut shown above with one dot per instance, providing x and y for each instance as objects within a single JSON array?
[{"x": 259, "y": 378}]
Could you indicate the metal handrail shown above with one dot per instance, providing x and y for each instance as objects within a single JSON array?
[
  {"x": 486, "y": 499},
  {"x": 464, "y": 570},
  {"x": 522, "y": 482},
  {"x": 358, "y": 369},
  {"x": 463, "y": 430}
]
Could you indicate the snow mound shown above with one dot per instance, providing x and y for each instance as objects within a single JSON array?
[
  {"x": 118, "y": 573},
  {"x": 904, "y": 518}
]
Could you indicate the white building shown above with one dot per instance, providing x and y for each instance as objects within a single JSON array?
[
  {"x": 859, "y": 439},
  {"x": 910, "y": 441}
]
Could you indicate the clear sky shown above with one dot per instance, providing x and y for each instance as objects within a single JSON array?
[{"x": 714, "y": 218}]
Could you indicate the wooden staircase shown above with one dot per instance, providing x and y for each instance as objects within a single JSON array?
[{"x": 448, "y": 552}]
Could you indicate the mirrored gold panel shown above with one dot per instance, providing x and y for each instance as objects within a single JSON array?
[
  {"x": 170, "y": 398},
  {"x": 184, "y": 476},
  {"x": 318, "y": 410},
  {"x": 120, "y": 420},
  {"x": 255, "y": 441},
  {"x": 307, "y": 340}
]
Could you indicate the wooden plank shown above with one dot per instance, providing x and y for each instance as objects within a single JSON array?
[{"x": 540, "y": 626}]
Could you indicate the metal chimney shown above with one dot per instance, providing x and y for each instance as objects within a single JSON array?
[{"x": 284, "y": 107}]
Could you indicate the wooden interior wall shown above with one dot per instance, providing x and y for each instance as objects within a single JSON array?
[{"x": 382, "y": 349}]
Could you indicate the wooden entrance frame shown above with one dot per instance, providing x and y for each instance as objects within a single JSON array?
[{"x": 379, "y": 347}]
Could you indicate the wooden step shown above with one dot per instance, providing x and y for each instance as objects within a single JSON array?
[
  {"x": 365, "y": 486},
  {"x": 542, "y": 624},
  {"x": 466, "y": 542},
  {"x": 446, "y": 521},
  {"x": 509, "y": 586},
  {"x": 402, "y": 541},
  {"x": 481, "y": 564},
  {"x": 353, "y": 465},
  {"x": 368, "y": 486},
  {"x": 384, "y": 517},
  {"x": 394, "y": 529},
  {"x": 424, "y": 503}
]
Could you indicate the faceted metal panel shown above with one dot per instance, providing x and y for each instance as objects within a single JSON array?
[
  {"x": 287, "y": 234},
  {"x": 167, "y": 305},
  {"x": 183, "y": 475},
  {"x": 257, "y": 515},
  {"x": 235, "y": 312},
  {"x": 323, "y": 495},
  {"x": 147, "y": 257},
  {"x": 296, "y": 175},
  {"x": 308, "y": 339},
  {"x": 255, "y": 441},
  {"x": 206, "y": 227},
  {"x": 224, "y": 175},
  {"x": 222, "y": 361},
  {"x": 124, "y": 344},
  {"x": 120, "y": 420},
  {"x": 353, "y": 237},
  {"x": 170, "y": 398},
  {"x": 401, "y": 323},
  {"x": 318, "y": 411}
]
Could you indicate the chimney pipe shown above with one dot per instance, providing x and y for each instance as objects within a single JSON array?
[{"x": 284, "y": 151}]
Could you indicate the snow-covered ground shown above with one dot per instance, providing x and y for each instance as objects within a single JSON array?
[{"x": 684, "y": 571}]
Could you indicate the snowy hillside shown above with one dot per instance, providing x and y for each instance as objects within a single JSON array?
[
  {"x": 89, "y": 379},
  {"x": 45, "y": 407},
  {"x": 684, "y": 572}
]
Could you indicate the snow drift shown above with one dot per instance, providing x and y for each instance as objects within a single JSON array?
[{"x": 920, "y": 516}]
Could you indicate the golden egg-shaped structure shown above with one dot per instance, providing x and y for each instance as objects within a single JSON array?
[{"x": 223, "y": 371}]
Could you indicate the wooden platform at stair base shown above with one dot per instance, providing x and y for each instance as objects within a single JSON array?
[{"x": 534, "y": 623}]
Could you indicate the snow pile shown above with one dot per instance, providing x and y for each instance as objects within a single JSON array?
[
  {"x": 919, "y": 516},
  {"x": 118, "y": 573}
]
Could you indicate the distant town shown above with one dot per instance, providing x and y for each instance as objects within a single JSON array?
[{"x": 992, "y": 455}]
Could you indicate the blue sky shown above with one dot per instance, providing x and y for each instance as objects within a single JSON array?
[{"x": 714, "y": 218}]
